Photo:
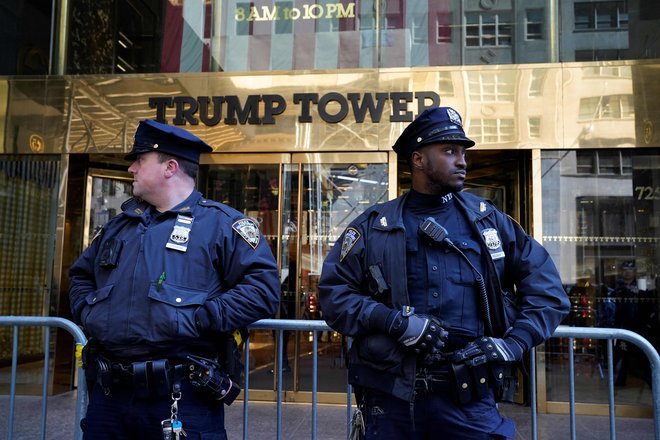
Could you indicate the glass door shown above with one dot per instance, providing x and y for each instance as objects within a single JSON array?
[
  {"x": 322, "y": 194},
  {"x": 303, "y": 202},
  {"x": 251, "y": 184}
]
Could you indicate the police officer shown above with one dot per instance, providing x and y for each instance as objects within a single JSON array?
[
  {"x": 158, "y": 291},
  {"x": 441, "y": 292}
]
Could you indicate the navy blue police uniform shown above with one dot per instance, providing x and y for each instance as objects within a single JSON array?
[
  {"x": 159, "y": 295},
  {"x": 481, "y": 276}
]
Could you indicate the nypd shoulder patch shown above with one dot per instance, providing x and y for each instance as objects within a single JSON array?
[
  {"x": 248, "y": 229},
  {"x": 351, "y": 237}
]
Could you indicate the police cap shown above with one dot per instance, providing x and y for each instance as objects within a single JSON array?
[
  {"x": 162, "y": 138},
  {"x": 629, "y": 264},
  {"x": 432, "y": 126}
]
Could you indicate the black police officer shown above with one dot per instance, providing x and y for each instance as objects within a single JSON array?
[
  {"x": 440, "y": 292},
  {"x": 158, "y": 291}
]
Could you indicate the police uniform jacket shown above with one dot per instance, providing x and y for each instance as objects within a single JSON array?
[
  {"x": 523, "y": 286},
  {"x": 143, "y": 307}
]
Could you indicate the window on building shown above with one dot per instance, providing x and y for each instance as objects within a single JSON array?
[
  {"x": 443, "y": 27},
  {"x": 393, "y": 14},
  {"x": 601, "y": 15},
  {"x": 445, "y": 85},
  {"x": 534, "y": 24},
  {"x": 599, "y": 55},
  {"x": 244, "y": 27},
  {"x": 493, "y": 130},
  {"x": 283, "y": 25},
  {"x": 491, "y": 86},
  {"x": 606, "y": 107},
  {"x": 604, "y": 162},
  {"x": 488, "y": 29},
  {"x": 536, "y": 83},
  {"x": 367, "y": 19},
  {"x": 534, "y": 127},
  {"x": 420, "y": 29}
]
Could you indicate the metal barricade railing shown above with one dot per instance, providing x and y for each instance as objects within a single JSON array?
[
  {"x": 609, "y": 334},
  {"x": 316, "y": 326},
  {"x": 47, "y": 323},
  {"x": 279, "y": 325}
]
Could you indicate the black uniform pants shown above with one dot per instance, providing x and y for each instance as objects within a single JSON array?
[
  {"x": 436, "y": 415},
  {"x": 122, "y": 415}
]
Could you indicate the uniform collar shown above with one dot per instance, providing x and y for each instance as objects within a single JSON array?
[{"x": 135, "y": 207}]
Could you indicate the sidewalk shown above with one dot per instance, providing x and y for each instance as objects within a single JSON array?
[{"x": 296, "y": 421}]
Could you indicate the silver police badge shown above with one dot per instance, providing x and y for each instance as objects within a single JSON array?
[
  {"x": 351, "y": 237},
  {"x": 454, "y": 117},
  {"x": 493, "y": 243},
  {"x": 180, "y": 234},
  {"x": 249, "y": 230}
]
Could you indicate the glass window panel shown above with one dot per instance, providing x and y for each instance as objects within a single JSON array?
[
  {"x": 609, "y": 162},
  {"x": 283, "y": 26},
  {"x": 583, "y": 16},
  {"x": 606, "y": 15},
  {"x": 592, "y": 223},
  {"x": 443, "y": 26},
  {"x": 29, "y": 188}
]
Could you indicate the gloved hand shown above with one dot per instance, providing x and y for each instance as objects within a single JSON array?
[
  {"x": 421, "y": 332},
  {"x": 488, "y": 349}
]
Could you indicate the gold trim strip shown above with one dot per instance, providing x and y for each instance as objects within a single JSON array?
[
  {"x": 243, "y": 158},
  {"x": 340, "y": 157}
]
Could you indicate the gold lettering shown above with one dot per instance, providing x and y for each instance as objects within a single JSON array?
[
  {"x": 346, "y": 12},
  {"x": 268, "y": 15},
  {"x": 240, "y": 14},
  {"x": 254, "y": 14}
]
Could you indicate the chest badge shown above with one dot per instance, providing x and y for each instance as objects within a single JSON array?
[
  {"x": 351, "y": 237},
  {"x": 493, "y": 243},
  {"x": 180, "y": 233},
  {"x": 248, "y": 230}
]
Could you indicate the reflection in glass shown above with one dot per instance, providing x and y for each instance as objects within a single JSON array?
[
  {"x": 600, "y": 210},
  {"x": 254, "y": 191}
]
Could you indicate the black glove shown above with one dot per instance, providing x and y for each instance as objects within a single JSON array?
[
  {"x": 421, "y": 332},
  {"x": 487, "y": 349}
]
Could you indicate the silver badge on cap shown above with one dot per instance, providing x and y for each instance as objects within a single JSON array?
[{"x": 454, "y": 117}]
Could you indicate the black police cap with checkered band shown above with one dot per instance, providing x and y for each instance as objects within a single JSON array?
[
  {"x": 169, "y": 139},
  {"x": 432, "y": 126}
]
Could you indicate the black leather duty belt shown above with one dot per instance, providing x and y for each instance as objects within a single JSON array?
[
  {"x": 146, "y": 378},
  {"x": 433, "y": 382}
]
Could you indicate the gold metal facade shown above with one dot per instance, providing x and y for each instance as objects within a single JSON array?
[{"x": 595, "y": 105}]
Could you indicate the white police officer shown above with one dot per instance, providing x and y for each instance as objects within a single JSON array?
[
  {"x": 441, "y": 292},
  {"x": 158, "y": 291}
]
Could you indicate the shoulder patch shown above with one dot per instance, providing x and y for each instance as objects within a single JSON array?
[
  {"x": 351, "y": 237},
  {"x": 249, "y": 230}
]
